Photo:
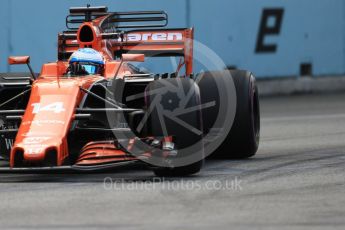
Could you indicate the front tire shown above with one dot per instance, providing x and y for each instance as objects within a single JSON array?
[
  {"x": 179, "y": 171},
  {"x": 189, "y": 144}
]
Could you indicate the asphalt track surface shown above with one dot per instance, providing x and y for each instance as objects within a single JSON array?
[{"x": 296, "y": 181}]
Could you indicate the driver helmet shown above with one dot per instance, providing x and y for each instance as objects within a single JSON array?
[{"x": 90, "y": 61}]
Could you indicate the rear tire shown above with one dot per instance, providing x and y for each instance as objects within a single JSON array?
[{"x": 243, "y": 139}]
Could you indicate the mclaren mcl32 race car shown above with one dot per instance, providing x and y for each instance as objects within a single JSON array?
[{"x": 95, "y": 109}]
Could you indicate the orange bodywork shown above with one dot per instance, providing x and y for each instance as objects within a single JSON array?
[
  {"x": 50, "y": 112},
  {"x": 54, "y": 97},
  {"x": 18, "y": 60},
  {"x": 102, "y": 152},
  {"x": 48, "y": 118}
]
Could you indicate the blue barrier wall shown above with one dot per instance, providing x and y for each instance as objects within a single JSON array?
[{"x": 292, "y": 32}]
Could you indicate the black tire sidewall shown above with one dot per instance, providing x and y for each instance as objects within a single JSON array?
[{"x": 192, "y": 153}]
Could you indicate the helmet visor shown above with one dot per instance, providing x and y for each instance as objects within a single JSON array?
[{"x": 91, "y": 69}]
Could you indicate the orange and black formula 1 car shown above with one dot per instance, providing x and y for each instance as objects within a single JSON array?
[{"x": 94, "y": 109}]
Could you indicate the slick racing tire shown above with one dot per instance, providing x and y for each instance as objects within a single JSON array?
[
  {"x": 189, "y": 146},
  {"x": 243, "y": 139}
]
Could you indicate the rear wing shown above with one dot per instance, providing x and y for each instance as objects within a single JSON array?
[
  {"x": 157, "y": 43},
  {"x": 125, "y": 32}
]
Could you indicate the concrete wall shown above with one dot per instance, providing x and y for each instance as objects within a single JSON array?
[{"x": 311, "y": 31}]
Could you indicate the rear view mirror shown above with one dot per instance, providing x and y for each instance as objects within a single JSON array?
[
  {"x": 22, "y": 60},
  {"x": 133, "y": 57},
  {"x": 19, "y": 60}
]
